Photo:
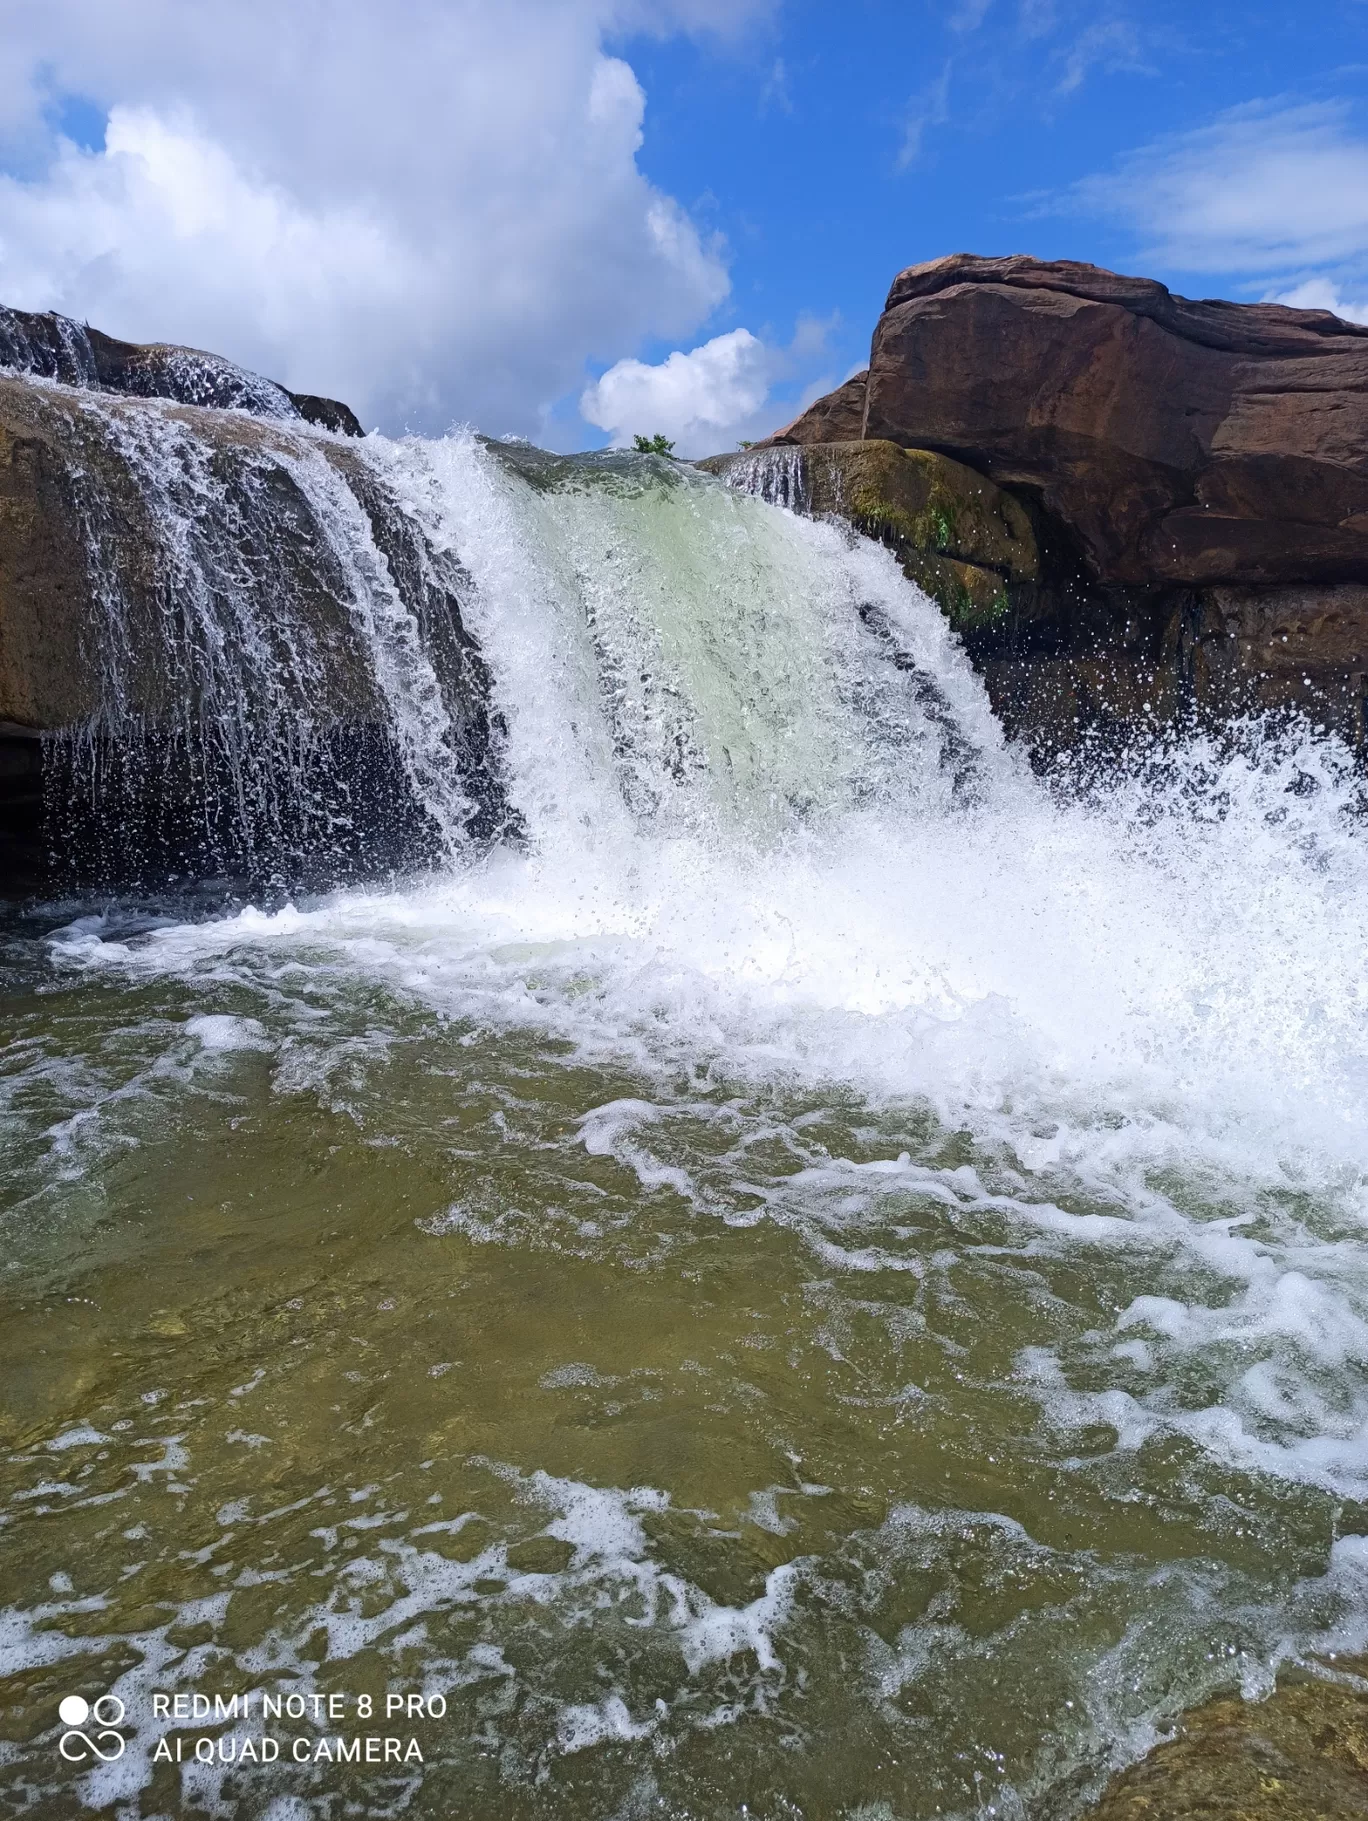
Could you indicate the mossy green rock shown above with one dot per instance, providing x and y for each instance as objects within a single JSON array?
[
  {"x": 925, "y": 503},
  {"x": 968, "y": 595},
  {"x": 957, "y": 535},
  {"x": 1302, "y": 1755}
]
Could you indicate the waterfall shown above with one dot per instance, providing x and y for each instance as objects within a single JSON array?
[
  {"x": 676, "y": 657},
  {"x": 282, "y": 686},
  {"x": 864, "y": 1239},
  {"x": 310, "y": 658},
  {"x": 777, "y": 474}
]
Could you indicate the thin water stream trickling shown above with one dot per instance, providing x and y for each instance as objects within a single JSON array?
[{"x": 817, "y": 1277}]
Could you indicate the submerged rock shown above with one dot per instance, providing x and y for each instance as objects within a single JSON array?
[
  {"x": 1301, "y": 1755},
  {"x": 1195, "y": 473}
]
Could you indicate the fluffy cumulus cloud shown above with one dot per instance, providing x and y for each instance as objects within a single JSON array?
[
  {"x": 432, "y": 209},
  {"x": 1265, "y": 189},
  {"x": 692, "y": 398},
  {"x": 711, "y": 397}
]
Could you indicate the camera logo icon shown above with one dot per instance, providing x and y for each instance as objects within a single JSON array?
[{"x": 79, "y": 1747}]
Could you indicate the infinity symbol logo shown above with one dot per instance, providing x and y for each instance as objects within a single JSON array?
[{"x": 74, "y": 1745}]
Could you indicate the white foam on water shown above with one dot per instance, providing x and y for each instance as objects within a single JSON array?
[
  {"x": 605, "y": 1722},
  {"x": 759, "y": 850},
  {"x": 762, "y": 854},
  {"x": 222, "y": 1031}
]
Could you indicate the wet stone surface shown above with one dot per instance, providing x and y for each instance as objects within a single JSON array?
[{"x": 1301, "y": 1755}]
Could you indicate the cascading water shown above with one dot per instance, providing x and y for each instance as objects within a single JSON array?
[
  {"x": 822, "y": 1276},
  {"x": 777, "y": 474},
  {"x": 284, "y": 688}
]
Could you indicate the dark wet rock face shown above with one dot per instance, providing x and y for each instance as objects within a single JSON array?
[
  {"x": 1195, "y": 473},
  {"x": 55, "y": 347},
  {"x": 202, "y": 617},
  {"x": 196, "y": 597},
  {"x": 51, "y": 346},
  {"x": 1302, "y": 1755},
  {"x": 328, "y": 413}
]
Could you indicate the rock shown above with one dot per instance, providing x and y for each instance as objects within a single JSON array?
[
  {"x": 1301, "y": 1755},
  {"x": 328, "y": 413},
  {"x": 21, "y": 808},
  {"x": 1195, "y": 475},
  {"x": 1180, "y": 442},
  {"x": 921, "y": 501},
  {"x": 969, "y": 596},
  {"x": 45, "y": 678},
  {"x": 52, "y": 346},
  {"x": 148, "y": 553},
  {"x": 186, "y": 375},
  {"x": 837, "y": 418},
  {"x": 957, "y": 536},
  {"x": 55, "y": 347},
  {"x": 1279, "y": 629}
]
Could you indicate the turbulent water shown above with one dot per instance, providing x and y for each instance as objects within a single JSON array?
[{"x": 824, "y": 1278}]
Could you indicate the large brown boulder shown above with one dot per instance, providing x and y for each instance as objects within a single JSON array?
[
  {"x": 1178, "y": 442},
  {"x": 837, "y": 418},
  {"x": 1196, "y": 474}
]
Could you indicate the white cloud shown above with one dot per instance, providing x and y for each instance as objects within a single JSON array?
[
  {"x": 969, "y": 15},
  {"x": 1267, "y": 188},
  {"x": 1109, "y": 44},
  {"x": 1322, "y": 294},
  {"x": 431, "y": 209},
  {"x": 712, "y": 397},
  {"x": 931, "y": 108},
  {"x": 700, "y": 400},
  {"x": 1037, "y": 18},
  {"x": 775, "y": 93}
]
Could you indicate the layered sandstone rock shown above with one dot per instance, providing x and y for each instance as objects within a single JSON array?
[{"x": 1196, "y": 474}]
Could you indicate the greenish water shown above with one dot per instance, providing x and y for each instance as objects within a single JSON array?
[
  {"x": 675, "y": 1431},
  {"x": 828, "y": 1281}
]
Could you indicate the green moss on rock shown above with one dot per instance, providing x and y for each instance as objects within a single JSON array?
[
  {"x": 970, "y": 597},
  {"x": 922, "y": 502},
  {"x": 958, "y": 536}
]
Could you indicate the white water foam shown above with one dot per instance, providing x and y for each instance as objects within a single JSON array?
[{"x": 773, "y": 835}]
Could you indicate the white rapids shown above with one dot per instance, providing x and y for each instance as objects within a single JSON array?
[
  {"x": 757, "y": 847},
  {"x": 770, "y": 856}
]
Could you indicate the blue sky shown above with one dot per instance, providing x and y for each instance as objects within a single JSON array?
[
  {"x": 841, "y": 143},
  {"x": 573, "y": 219}
]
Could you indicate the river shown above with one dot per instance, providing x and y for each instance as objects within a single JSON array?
[{"x": 823, "y": 1276}]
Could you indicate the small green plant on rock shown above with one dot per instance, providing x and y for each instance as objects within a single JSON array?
[
  {"x": 653, "y": 445},
  {"x": 935, "y": 528}
]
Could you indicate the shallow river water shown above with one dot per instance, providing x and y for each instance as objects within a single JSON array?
[{"x": 829, "y": 1281}]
